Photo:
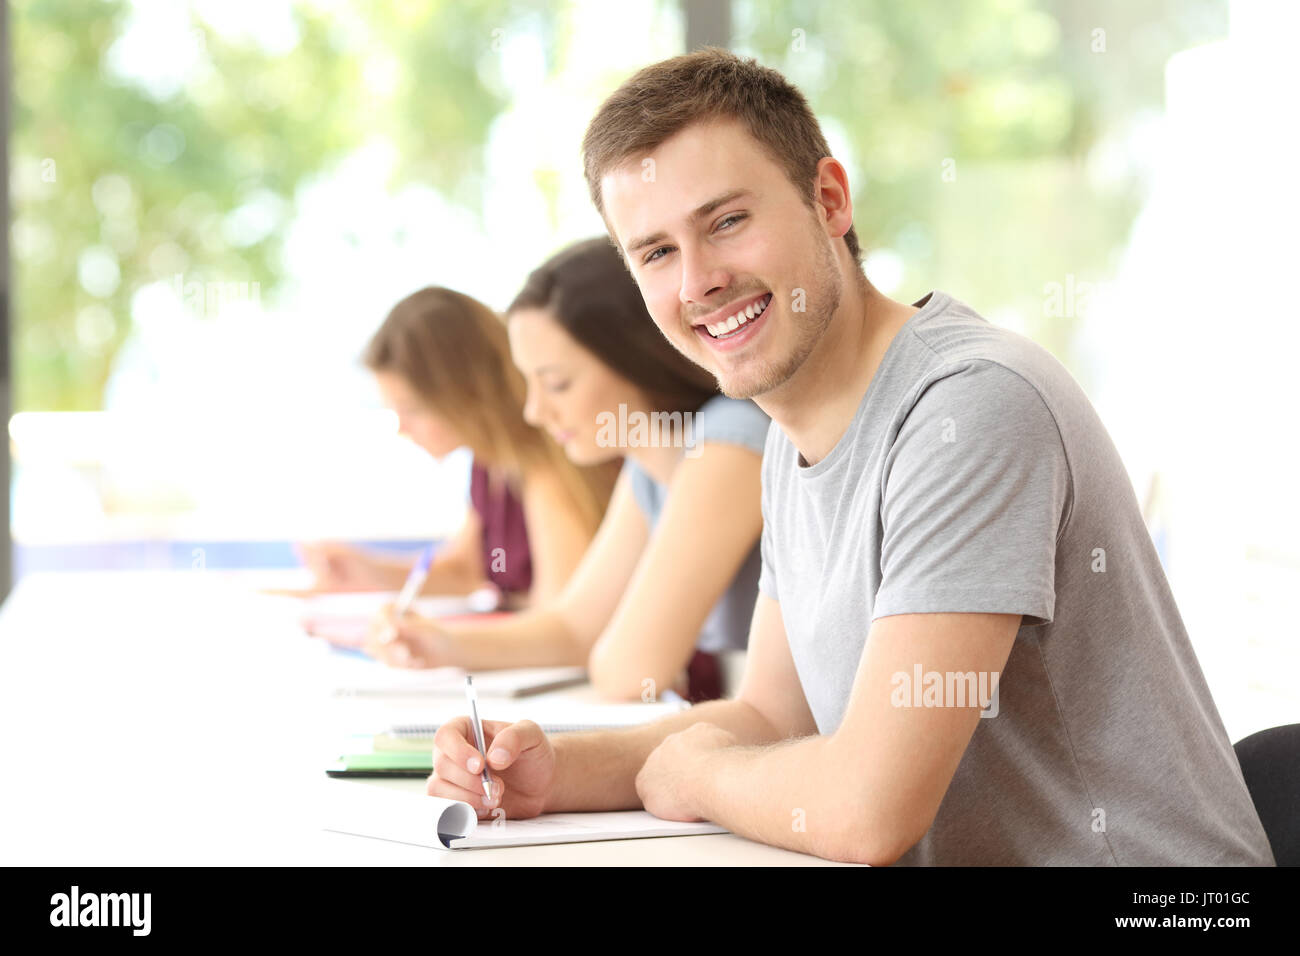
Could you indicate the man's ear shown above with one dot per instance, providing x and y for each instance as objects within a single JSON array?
[{"x": 831, "y": 193}]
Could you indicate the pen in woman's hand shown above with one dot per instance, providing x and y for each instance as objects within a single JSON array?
[{"x": 414, "y": 582}]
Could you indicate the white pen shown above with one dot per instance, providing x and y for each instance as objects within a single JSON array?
[
  {"x": 414, "y": 582},
  {"x": 478, "y": 732}
]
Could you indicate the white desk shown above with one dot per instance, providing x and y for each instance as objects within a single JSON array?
[{"x": 141, "y": 715}]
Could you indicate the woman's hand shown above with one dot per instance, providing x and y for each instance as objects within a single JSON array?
[
  {"x": 408, "y": 641},
  {"x": 338, "y": 567}
]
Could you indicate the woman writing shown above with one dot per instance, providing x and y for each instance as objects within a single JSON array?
[
  {"x": 442, "y": 363},
  {"x": 671, "y": 577}
]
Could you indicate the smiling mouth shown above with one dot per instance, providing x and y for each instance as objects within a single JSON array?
[{"x": 734, "y": 324}]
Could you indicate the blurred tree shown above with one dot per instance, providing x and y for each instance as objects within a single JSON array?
[
  {"x": 151, "y": 145},
  {"x": 970, "y": 125}
]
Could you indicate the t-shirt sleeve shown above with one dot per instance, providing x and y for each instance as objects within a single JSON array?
[
  {"x": 767, "y": 576},
  {"x": 733, "y": 422},
  {"x": 767, "y": 548},
  {"x": 975, "y": 489}
]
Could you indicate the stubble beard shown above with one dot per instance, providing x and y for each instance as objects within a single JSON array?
[{"x": 760, "y": 376}]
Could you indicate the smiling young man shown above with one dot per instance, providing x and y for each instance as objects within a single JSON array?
[{"x": 943, "y": 512}]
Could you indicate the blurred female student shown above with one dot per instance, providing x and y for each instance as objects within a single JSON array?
[
  {"x": 672, "y": 575},
  {"x": 442, "y": 362}
]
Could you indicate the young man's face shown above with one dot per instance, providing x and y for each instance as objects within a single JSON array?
[{"x": 713, "y": 232}]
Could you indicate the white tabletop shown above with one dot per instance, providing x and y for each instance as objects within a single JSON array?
[{"x": 182, "y": 718}]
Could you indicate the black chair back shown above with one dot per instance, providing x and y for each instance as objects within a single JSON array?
[{"x": 1270, "y": 762}]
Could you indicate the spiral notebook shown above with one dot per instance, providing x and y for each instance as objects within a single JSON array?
[
  {"x": 406, "y": 816},
  {"x": 559, "y": 716}
]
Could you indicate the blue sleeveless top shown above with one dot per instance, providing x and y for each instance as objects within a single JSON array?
[{"x": 734, "y": 422}]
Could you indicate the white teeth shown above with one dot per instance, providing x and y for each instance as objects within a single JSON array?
[{"x": 740, "y": 318}]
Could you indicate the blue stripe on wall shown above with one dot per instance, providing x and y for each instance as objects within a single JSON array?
[{"x": 163, "y": 555}]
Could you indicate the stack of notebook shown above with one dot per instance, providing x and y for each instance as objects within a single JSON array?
[{"x": 406, "y": 750}]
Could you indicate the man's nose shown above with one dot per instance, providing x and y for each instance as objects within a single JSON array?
[{"x": 702, "y": 275}]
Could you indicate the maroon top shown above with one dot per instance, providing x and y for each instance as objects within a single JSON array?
[{"x": 507, "y": 561}]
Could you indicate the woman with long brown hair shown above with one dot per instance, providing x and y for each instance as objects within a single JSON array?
[
  {"x": 441, "y": 360},
  {"x": 671, "y": 578}
]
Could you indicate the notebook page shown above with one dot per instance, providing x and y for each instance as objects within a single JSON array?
[
  {"x": 577, "y": 828},
  {"x": 404, "y": 816},
  {"x": 349, "y": 674},
  {"x": 345, "y": 619}
]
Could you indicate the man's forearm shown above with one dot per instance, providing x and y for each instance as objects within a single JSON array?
[
  {"x": 791, "y": 795},
  {"x": 597, "y": 771}
]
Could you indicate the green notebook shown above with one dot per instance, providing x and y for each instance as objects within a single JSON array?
[{"x": 384, "y": 763}]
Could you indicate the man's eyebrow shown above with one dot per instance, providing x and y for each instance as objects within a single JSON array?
[{"x": 699, "y": 213}]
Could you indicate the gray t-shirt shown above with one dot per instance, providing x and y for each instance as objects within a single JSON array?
[
  {"x": 727, "y": 421},
  {"x": 976, "y": 477}
]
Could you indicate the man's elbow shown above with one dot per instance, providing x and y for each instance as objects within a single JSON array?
[{"x": 867, "y": 838}]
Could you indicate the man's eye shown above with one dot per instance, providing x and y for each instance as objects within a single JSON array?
[
  {"x": 556, "y": 387},
  {"x": 733, "y": 218},
  {"x": 655, "y": 255}
]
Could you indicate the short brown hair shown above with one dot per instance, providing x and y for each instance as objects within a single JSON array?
[{"x": 712, "y": 83}]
